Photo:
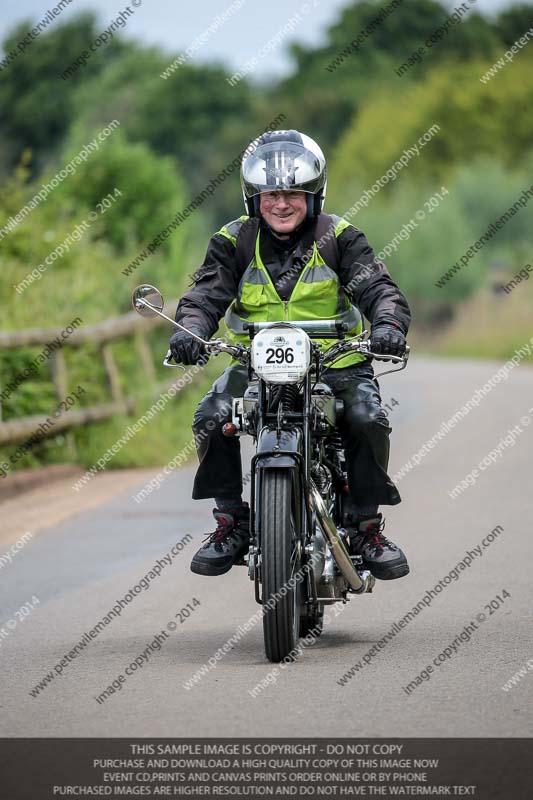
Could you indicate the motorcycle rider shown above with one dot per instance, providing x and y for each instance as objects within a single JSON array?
[{"x": 287, "y": 260}]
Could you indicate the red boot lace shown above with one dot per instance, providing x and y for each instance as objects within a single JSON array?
[
  {"x": 224, "y": 527},
  {"x": 376, "y": 538}
]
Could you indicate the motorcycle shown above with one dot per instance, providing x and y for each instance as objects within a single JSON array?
[{"x": 300, "y": 506}]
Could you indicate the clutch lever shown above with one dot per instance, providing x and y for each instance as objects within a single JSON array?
[{"x": 214, "y": 347}]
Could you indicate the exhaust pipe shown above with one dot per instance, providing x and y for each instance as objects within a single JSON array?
[{"x": 359, "y": 583}]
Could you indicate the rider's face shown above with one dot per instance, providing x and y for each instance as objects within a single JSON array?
[{"x": 283, "y": 211}]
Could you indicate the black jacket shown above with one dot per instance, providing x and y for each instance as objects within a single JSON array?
[{"x": 366, "y": 280}]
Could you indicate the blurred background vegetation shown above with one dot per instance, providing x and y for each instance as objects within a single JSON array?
[{"x": 176, "y": 134}]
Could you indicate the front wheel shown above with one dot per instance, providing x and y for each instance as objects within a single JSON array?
[{"x": 281, "y": 561}]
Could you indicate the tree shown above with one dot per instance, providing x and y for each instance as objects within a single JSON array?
[{"x": 36, "y": 105}]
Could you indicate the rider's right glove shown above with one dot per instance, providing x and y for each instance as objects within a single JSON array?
[{"x": 185, "y": 349}]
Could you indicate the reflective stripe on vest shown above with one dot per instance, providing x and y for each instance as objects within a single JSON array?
[{"x": 317, "y": 294}]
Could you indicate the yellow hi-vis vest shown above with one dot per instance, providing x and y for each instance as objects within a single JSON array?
[{"x": 318, "y": 294}]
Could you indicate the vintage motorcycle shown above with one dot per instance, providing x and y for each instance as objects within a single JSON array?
[{"x": 299, "y": 502}]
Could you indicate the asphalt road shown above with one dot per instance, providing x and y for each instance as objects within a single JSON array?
[{"x": 79, "y": 568}]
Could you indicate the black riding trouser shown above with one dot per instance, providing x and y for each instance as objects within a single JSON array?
[{"x": 364, "y": 429}]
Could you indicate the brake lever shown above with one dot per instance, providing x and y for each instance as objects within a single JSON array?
[
  {"x": 339, "y": 350},
  {"x": 167, "y": 360},
  {"x": 403, "y": 359}
]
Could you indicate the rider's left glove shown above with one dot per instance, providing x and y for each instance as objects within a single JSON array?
[
  {"x": 387, "y": 339},
  {"x": 186, "y": 349}
]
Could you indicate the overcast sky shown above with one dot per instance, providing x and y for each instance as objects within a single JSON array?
[{"x": 174, "y": 25}]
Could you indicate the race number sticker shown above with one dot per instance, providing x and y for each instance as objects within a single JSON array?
[{"x": 281, "y": 354}]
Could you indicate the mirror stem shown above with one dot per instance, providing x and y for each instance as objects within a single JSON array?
[{"x": 177, "y": 324}]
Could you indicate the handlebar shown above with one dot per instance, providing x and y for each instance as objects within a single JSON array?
[
  {"x": 334, "y": 353},
  {"x": 318, "y": 329}
]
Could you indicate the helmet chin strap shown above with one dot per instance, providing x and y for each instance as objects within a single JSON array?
[{"x": 312, "y": 204}]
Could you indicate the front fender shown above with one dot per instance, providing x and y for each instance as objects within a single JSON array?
[{"x": 273, "y": 451}]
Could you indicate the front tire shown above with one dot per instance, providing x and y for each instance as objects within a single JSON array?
[{"x": 280, "y": 561}]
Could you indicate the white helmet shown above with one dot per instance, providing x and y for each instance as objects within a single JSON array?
[{"x": 283, "y": 161}]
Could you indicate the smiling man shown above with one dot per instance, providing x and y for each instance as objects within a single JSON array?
[
  {"x": 287, "y": 260},
  {"x": 283, "y": 211}
]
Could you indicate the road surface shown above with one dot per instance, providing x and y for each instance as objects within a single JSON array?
[{"x": 70, "y": 574}]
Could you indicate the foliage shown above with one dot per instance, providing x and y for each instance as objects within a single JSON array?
[
  {"x": 36, "y": 105},
  {"x": 344, "y": 90},
  {"x": 477, "y": 194},
  {"x": 474, "y": 118},
  {"x": 151, "y": 189}
]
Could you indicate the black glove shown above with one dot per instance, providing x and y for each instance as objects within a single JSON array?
[
  {"x": 185, "y": 349},
  {"x": 387, "y": 339}
]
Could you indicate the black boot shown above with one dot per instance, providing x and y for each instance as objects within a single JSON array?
[
  {"x": 383, "y": 558},
  {"x": 226, "y": 545}
]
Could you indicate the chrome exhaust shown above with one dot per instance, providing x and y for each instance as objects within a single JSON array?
[{"x": 358, "y": 582}]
